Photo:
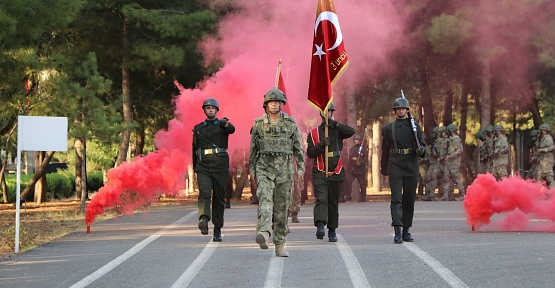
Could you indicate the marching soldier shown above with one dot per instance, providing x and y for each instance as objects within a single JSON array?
[
  {"x": 533, "y": 155},
  {"x": 275, "y": 140},
  {"x": 328, "y": 184},
  {"x": 358, "y": 166},
  {"x": 433, "y": 170},
  {"x": 399, "y": 161},
  {"x": 545, "y": 156},
  {"x": 453, "y": 162},
  {"x": 211, "y": 163},
  {"x": 500, "y": 160}
]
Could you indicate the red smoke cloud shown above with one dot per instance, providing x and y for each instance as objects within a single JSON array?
[
  {"x": 526, "y": 205},
  {"x": 251, "y": 43}
]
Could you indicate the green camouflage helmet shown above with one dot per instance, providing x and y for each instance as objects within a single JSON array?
[
  {"x": 452, "y": 128},
  {"x": 275, "y": 95},
  {"x": 435, "y": 132},
  {"x": 489, "y": 129},
  {"x": 545, "y": 127},
  {"x": 534, "y": 133},
  {"x": 442, "y": 129},
  {"x": 480, "y": 134},
  {"x": 499, "y": 128}
]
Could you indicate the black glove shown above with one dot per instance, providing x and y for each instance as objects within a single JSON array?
[
  {"x": 332, "y": 123},
  {"x": 324, "y": 142},
  {"x": 223, "y": 122},
  {"x": 383, "y": 172},
  {"x": 420, "y": 151}
]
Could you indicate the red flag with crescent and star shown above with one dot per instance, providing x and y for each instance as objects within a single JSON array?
[{"x": 329, "y": 57}]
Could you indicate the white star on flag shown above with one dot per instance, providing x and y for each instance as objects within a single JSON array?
[{"x": 319, "y": 51}]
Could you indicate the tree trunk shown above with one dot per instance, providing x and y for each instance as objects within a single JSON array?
[
  {"x": 39, "y": 171},
  {"x": 426, "y": 100},
  {"x": 40, "y": 186},
  {"x": 535, "y": 112},
  {"x": 78, "y": 171},
  {"x": 462, "y": 129},
  {"x": 485, "y": 112},
  {"x": 140, "y": 139},
  {"x": 376, "y": 153},
  {"x": 5, "y": 162},
  {"x": 83, "y": 169},
  {"x": 448, "y": 108},
  {"x": 126, "y": 91}
]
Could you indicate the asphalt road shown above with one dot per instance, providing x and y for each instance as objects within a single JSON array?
[{"x": 164, "y": 248}]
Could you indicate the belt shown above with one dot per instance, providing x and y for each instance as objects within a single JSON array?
[
  {"x": 213, "y": 151},
  {"x": 355, "y": 158},
  {"x": 329, "y": 173},
  {"x": 401, "y": 151},
  {"x": 334, "y": 154}
]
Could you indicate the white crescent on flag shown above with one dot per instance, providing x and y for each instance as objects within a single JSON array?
[{"x": 332, "y": 17}]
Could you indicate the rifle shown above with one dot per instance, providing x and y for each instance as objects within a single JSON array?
[
  {"x": 413, "y": 124},
  {"x": 359, "y": 157}
]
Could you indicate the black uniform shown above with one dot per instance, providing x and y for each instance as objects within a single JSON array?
[
  {"x": 400, "y": 162},
  {"x": 328, "y": 190},
  {"x": 360, "y": 171},
  {"x": 211, "y": 163}
]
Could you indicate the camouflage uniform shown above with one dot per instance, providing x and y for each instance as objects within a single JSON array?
[
  {"x": 489, "y": 143},
  {"x": 500, "y": 155},
  {"x": 433, "y": 170},
  {"x": 545, "y": 157},
  {"x": 482, "y": 153},
  {"x": 443, "y": 177},
  {"x": 453, "y": 163},
  {"x": 273, "y": 146},
  {"x": 295, "y": 206}
]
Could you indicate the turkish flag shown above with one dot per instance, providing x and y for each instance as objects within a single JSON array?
[
  {"x": 329, "y": 57},
  {"x": 281, "y": 86}
]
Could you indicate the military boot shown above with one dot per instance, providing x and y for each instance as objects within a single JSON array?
[
  {"x": 217, "y": 234},
  {"x": 203, "y": 225},
  {"x": 362, "y": 194},
  {"x": 262, "y": 239},
  {"x": 280, "y": 251},
  {"x": 294, "y": 217},
  {"x": 406, "y": 235},
  {"x": 320, "y": 230},
  {"x": 331, "y": 235},
  {"x": 397, "y": 239}
]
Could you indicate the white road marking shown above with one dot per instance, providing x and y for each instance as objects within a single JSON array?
[
  {"x": 353, "y": 267},
  {"x": 275, "y": 269},
  {"x": 134, "y": 250},
  {"x": 187, "y": 276},
  {"x": 441, "y": 270}
]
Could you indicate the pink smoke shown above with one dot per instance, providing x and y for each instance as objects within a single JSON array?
[{"x": 527, "y": 205}]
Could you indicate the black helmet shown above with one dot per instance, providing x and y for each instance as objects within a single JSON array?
[
  {"x": 332, "y": 107},
  {"x": 401, "y": 103},
  {"x": 275, "y": 95},
  {"x": 211, "y": 102},
  {"x": 357, "y": 137}
]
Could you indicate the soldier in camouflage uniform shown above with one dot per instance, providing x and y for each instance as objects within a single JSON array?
[
  {"x": 275, "y": 140},
  {"x": 488, "y": 143},
  {"x": 545, "y": 156},
  {"x": 482, "y": 153},
  {"x": 500, "y": 154},
  {"x": 328, "y": 181},
  {"x": 533, "y": 155},
  {"x": 295, "y": 206},
  {"x": 453, "y": 162},
  {"x": 443, "y": 177},
  {"x": 423, "y": 166},
  {"x": 433, "y": 171}
]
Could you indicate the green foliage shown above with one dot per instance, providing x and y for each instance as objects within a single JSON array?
[
  {"x": 447, "y": 33},
  {"x": 58, "y": 186},
  {"x": 8, "y": 237}
]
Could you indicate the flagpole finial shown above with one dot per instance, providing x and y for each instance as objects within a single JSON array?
[
  {"x": 279, "y": 60},
  {"x": 403, "y": 94}
]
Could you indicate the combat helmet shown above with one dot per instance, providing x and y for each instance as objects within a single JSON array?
[
  {"x": 441, "y": 129},
  {"x": 401, "y": 103},
  {"x": 545, "y": 127},
  {"x": 357, "y": 137},
  {"x": 274, "y": 95},
  {"x": 480, "y": 134},
  {"x": 489, "y": 129},
  {"x": 452, "y": 128},
  {"x": 435, "y": 132},
  {"x": 534, "y": 134},
  {"x": 332, "y": 107},
  {"x": 499, "y": 128},
  {"x": 211, "y": 102}
]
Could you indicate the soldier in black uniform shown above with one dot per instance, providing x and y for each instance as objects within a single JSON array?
[
  {"x": 211, "y": 163},
  {"x": 400, "y": 162},
  {"x": 358, "y": 161},
  {"x": 328, "y": 189}
]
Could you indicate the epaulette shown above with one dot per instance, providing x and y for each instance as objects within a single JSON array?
[{"x": 289, "y": 118}]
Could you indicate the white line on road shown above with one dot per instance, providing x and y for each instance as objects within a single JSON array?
[
  {"x": 273, "y": 276},
  {"x": 134, "y": 250},
  {"x": 441, "y": 270},
  {"x": 353, "y": 267},
  {"x": 193, "y": 269}
]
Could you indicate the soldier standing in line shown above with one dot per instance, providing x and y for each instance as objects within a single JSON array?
[
  {"x": 545, "y": 156},
  {"x": 211, "y": 163},
  {"x": 489, "y": 143},
  {"x": 399, "y": 161},
  {"x": 275, "y": 140},
  {"x": 533, "y": 155},
  {"x": 346, "y": 192},
  {"x": 358, "y": 166},
  {"x": 453, "y": 160},
  {"x": 500, "y": 154},
  {"x": 423, "y": 166},
  {"x": 433, "y": 170},
  {"x": 482, "y": 154},
  {"x": 328, "y": 186},
  {"x": 443, "y": 145}
]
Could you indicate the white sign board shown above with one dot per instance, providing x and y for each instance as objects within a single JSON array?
[{"x": 37, "y": 133}]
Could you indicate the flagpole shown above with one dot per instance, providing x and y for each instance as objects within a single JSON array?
[
  {"x": 277, "y": 74},
  {"x": 326, "y": 150}
]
